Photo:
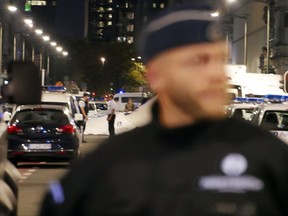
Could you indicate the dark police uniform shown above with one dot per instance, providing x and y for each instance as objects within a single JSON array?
[
  {"x": 86, "y": 110},
  {"x": 226, "y": 167}
]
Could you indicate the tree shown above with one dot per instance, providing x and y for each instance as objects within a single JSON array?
[
  {"x": 136, "y": 77},
  {"x": 117, "y": 72}
]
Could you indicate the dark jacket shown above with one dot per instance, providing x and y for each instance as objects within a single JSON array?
[{"x": 226, "y": 167}]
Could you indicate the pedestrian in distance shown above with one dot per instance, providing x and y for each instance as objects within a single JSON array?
[
  {"x": 190, "y": 159},
  {"x": 84, "y": 109},
  {"x": 112, "y": 107},
  {"x": 129, "y": 106}
]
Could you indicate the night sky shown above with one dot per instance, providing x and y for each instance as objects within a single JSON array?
[{"x": 70, "y": 18}]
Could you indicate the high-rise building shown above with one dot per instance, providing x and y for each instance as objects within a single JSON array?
[{"x": 119, "y": 20}]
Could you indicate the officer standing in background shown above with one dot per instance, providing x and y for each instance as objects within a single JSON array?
[
  {"x": 112, "y": 107},
  {"x": 190, "y": 159},
  {"x": 84, "y": 109}
]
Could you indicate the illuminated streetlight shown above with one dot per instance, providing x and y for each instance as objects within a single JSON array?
[
  {"x": 28, "y": 21},
  {"x": 59, "y": 49},
  {"x": 12, "y": 8},
  {"x": 39, "y": 31},
  {"x": 133, "y": 59},
  {"x": 65, "y": 53},
  {"x": 53, "y": 43},
  {"x": 103, "y": 61},
  {"x": 215, "y": 14},
  {"x": 46, "y": 38}
]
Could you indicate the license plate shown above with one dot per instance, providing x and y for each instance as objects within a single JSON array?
[{"x": 40, "y": 146}]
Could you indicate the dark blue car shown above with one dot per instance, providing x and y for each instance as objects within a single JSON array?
[{"x": 42, "y": 133}]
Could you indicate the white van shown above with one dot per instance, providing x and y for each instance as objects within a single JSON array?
[
  {"x": 123, "y": 99},
  {"x": 58, "y": 98}
]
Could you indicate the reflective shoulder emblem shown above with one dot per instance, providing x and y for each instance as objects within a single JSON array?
[
  {"x": 234, "y": 180},
  {"x": 234, "y": 164}
]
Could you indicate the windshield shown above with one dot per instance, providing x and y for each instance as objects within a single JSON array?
[
  {"x": 43, "y": 117},
  {"x": 275, "y": 120}
]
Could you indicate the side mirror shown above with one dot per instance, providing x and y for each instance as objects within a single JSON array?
[
  {"x": 24, "y": 84},
  {"x": 78, "y": 117}
]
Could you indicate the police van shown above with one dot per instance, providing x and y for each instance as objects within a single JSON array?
[
  {"x": 56, "y": 95},
  {"x": 122, "y": 99},
  {"x": 273, "y": 116},
  {"x": 242, "y": 108}
]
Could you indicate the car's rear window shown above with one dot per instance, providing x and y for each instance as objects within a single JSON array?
[
  {"x": 56, "y": 103},
  {"x": 101, "y": 106},
  {"x": 40, "y": 117}
]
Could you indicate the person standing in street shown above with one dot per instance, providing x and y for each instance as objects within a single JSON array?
[
  {"x": 112, "y": 107},
  {"x": 129, "y": 106},
  {"x": 190, "y": 159},
  {"x": 84, "y": 109}
]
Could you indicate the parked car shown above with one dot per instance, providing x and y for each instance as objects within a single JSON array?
[
  {"x": 60, "y": 98},
  {"x": 97, "y": 109},
  {"x": 242, "y": 108},
  {"x": 272, "y": 117},
  {"x": 43, "y": 133}
]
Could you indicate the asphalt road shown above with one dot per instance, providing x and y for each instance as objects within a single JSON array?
[{"x": 35, "y": 178}]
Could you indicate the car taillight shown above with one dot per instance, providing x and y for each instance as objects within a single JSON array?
[
  {"x": 66, "y": 129},
  {"x": 12, "y": 129}
]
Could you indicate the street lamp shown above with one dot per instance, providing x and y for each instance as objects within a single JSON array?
[
  {"x": 103, "y": 62},
  {"x": 12, "y": 8}
]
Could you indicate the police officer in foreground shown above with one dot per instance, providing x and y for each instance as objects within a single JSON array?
[{"x": 191, "y": 159}]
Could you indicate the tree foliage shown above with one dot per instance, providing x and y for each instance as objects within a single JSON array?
[{"x": 117, "y": 72}]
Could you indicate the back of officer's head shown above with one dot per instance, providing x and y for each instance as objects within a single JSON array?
[{"x": 180, "y": 24}]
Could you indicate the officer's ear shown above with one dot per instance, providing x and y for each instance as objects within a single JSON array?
[{"x": 24, "y": 84}]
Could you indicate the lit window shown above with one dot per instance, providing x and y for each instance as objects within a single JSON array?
[
  {"x": 100, "y": 9},
  {"x": 154, "y": 5},
  {"x": 110, "y": 1},
  {"x": 100, "y": 15},
  {"x": 130, "y": 40},
  {"x": 130, "y": 28},
  {"x": 100, "y": 24},
  {"x": 110, "y": 16},
  {"x": 38, "y": 3},
  {"x": 109, "y": 23},
  {"x": 99, "y": 32},
  {"x": 162, "y": 5},
  {"x": 126, "y": 5},
  {"x": 121, "y": 39},
  {"x": 109, "y": 9}
]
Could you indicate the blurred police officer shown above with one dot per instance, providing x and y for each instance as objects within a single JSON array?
[{"x": 191, "y": 159}]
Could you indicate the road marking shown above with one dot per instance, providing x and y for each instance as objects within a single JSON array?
[{"x": 25, "y": 173}]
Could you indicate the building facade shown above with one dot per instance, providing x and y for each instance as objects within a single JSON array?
[
  {"x": 120, "y": 20},
  {"x": 246, "y": 44}
]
